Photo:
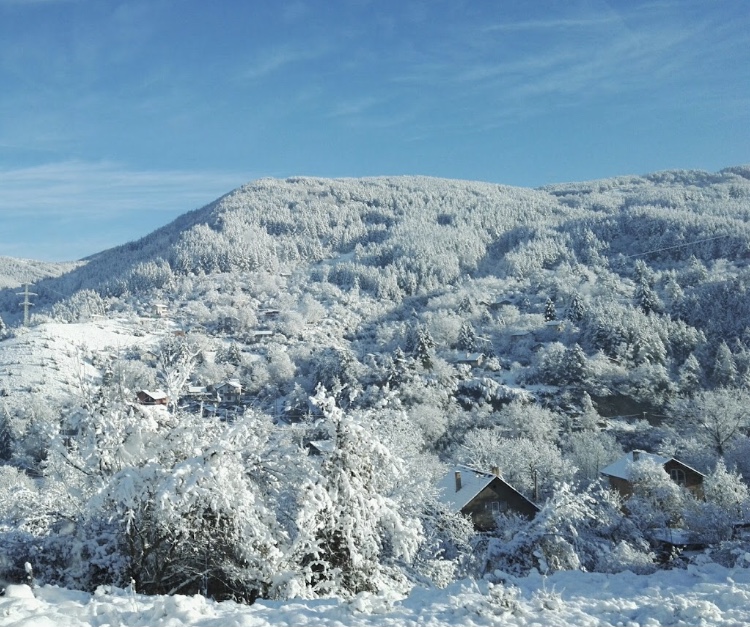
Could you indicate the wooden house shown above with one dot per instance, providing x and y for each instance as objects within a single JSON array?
[
  {"x": 475, "y": 360},
  {"x": 482, "y": 495},
  {"x": 619, "y": 472},
  {"x": 228, "y": 391},
  {"x": 160, "y": 310},
  {"x": 146, "y": 397}
]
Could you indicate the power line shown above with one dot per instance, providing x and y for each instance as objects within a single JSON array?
[
  {"x": 658, "y": 250},
  {"x": 26, "y": 303}
]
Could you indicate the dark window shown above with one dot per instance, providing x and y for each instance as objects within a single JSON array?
[{"x": 678, "y": 476}]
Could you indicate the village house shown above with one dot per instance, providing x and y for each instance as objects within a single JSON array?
[
  {"x": 475, "y": 360},
  {"x": 482, "y": 495},
  {"x": 228, "y": 391},
  {"x": 260, "y": 334},
  {"x": 619, "y": 472},
  {"x": 145, "y": 397}
]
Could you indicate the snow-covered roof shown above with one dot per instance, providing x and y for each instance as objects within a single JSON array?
[
  {"x": 233, "y": 383},
  {"x": 621, "y": 468},
  {"x": 324, "y": 446},
  {"x": 472, "y": 483},
  {"x": 677, "y": 537},
  {"x": 157, "y": 396},
  {"x": 469, "y": 357}
]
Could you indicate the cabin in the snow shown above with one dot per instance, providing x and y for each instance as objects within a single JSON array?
[
  {"x": 482, "y": 495},
  {"x": 619, "y": 472},
  {"x": 474, "y": 360},
  {"x": 145, "y": 397},
  {"x": 228, "y": 391}
]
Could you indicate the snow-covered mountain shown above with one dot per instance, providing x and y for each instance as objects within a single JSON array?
[
  {"x": 16, "y": 272},
  {"x": 397, "y": 327}
]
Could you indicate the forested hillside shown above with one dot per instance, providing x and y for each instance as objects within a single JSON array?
[
  {"x": 374, "y": 333},
  {"x": 16, "y": 272}
]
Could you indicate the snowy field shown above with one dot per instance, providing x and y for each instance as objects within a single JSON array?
[
  {"x": 52, "y": 357},
  {"x": 703, "y": 595}
]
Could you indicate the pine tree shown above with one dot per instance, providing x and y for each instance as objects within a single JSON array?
[
  {"x": 424, "y": 348},
  {"x": 349, "y": 529},
  {"x": 574, "y": 364},
  {"x": 646, "y": 298},
  {"x": 6, "y": 439},
  {"x": 725, "y": 369},
  {"x": 467, "y": 337},
  {"x": 550, "y": 313},
  {"x": 577, "y": 309},
  {"x": 689, "y": 376}
]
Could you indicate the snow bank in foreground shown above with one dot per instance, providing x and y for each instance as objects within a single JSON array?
[{"x": 705, "y": 595}]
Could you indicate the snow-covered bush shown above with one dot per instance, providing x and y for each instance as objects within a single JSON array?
[{"x": 573, "y": 531}]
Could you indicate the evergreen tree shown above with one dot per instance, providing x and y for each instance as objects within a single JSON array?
[
  {"x": 574, "y": 364},
  {"x": 725, "y": 369},
  {"x": 550, "y": 312},
  {"x": 646, "y": 298},
  {"x": 689, "y": 376},
  {"x": 577, "y": 309},
  {"x": 350, "y": 530},
  {"x": 467, "y": 338},
  {"x": 6, "y": 439},
  {"x": 424, "y": 348}
]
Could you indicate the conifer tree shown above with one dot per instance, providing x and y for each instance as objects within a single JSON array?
[
  {"x": 349, "y": 528},
  {"x": 689, "y": 376},
  {"x": 550, "y": 313},
  {"x": 725, "y": 369},
  {"x": 577, "y": 309},
  {"x": 467, "y": 337},
  {"x": 424, "y": 348}
]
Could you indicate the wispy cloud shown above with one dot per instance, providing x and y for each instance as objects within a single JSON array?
[
  {"x": 80, "y": 190},
  {"x": 355, "y": 107},
  {"x": 274, "y": 60},
  {"x": 531, "y": 66},
  {"x": 552, "y": 24}
]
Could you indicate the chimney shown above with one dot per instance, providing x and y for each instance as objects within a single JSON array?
[
  {"x": 495, "y": 470},
  {"x": 636, "y": 455},
  {"x": 458, "y": 480}
]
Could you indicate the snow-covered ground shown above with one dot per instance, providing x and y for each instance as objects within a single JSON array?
[
  {"x": 701, "y": 595},
  {"x": 52, "y": 358}
]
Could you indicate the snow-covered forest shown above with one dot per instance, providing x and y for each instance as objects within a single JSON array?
[{"x": 327, "y": 351}]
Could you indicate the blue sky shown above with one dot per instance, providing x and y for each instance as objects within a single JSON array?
[{"x": 117, "y": 116}]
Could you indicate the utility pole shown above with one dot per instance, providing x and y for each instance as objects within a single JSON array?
[{"x": 26, "y": 303}]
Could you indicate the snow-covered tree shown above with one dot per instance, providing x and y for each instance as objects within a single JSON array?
[
  {"x": 576, "y": 309},
  {"x": 197, "y": 519},
  {"x": 424, "y": 348},
  {"x": 352, "y": 531},
  {"x": 531, "y": 467},
  {"x": 467, "y": 337},
  {"x": 176, "y": 360},
  {"x": 689, "y": 377},
  {"x": 590, "y": 451},
  {"x": 550, "y": 312},
  {"x": 657, "y": 501},
  {"x": 574, "y": 531},
  {"x": 727, "y": 502},
  {"x": 725, "y": 369},
  {"x": 715, "y": 416}
]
